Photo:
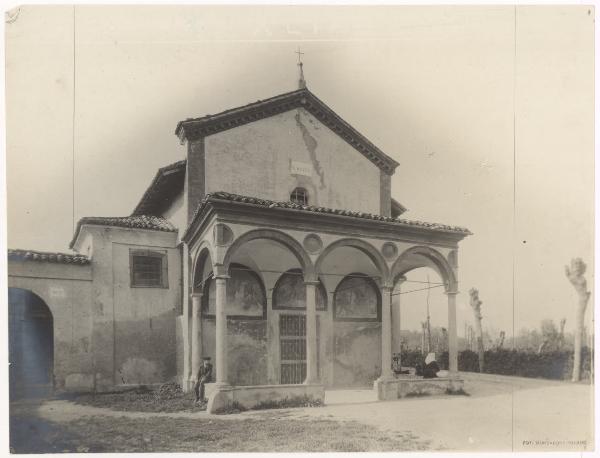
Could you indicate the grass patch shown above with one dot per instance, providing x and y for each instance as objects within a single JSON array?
[
  {"x": 168, "y": 398},
  {"x": 294, "y": 401},
  {"x": 417, "y": 394},
  {"x": 459, "y": 392},
  {"x": 232, "y": 407},
  {"x": 156, "y": 434}
]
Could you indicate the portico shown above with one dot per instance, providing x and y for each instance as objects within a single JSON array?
[{"x": 284, "y": 294}]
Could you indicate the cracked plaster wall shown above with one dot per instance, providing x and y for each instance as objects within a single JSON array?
[{"x": 256, "y": 159}]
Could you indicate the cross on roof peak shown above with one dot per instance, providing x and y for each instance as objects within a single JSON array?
[{"x": 301, "y": 80}]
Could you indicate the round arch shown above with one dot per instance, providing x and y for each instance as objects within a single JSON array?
[
  {"x": 203, "y": 253},
  {"x": 276, "y": 236},
  {"x": 372, "y": 253},
  {"x": 423, "y": 256},
  {"x": 31, "y": 345}
]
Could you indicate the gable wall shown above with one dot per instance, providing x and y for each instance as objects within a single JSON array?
[{"x": 256, "y": 159}]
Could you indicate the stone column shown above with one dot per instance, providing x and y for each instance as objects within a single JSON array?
[
  {"x": 221, "y": 329},
  {"x": 396, "y": 320},
  {"x": 452, "y": 338},
  {"x": 386, "y": 333},
  {"x": 312, "y": 375},
  {"x": 196, "y": 340}
]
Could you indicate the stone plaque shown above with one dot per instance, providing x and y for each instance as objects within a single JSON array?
[{"x": 301, "y": 168}]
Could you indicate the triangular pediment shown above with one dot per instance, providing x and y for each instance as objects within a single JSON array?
[{"x": 192, "y": 129}]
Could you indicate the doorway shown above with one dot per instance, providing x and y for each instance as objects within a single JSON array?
[{"x": 31, "y": 345}]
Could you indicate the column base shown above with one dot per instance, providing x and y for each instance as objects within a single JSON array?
[{"x": 386, "y": 387}]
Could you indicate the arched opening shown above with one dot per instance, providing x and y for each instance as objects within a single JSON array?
[
  {"x": 299, "y": 196},
  {"x": 271, "y": 254},
  {"x": 31, "y": 345},
  {"x": 289, "y": 301},
  {"x": 354, "y": 271},
  {"x": 420, "y": 316}
]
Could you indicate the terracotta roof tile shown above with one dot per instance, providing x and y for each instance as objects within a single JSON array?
[
  {"x": 155, "y": 223},
  {"x": 308, "y": 208},
  {"x": 42, "y": 256}
]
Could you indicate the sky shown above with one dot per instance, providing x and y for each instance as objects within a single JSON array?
[{"x": 488, "y": 109}]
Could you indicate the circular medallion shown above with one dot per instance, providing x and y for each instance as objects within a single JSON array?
[
  {"x": 389, "y": 250},
  {"x": 313, "y": 243}
]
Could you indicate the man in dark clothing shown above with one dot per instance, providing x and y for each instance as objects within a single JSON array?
[{"x": 203, "y": 377}]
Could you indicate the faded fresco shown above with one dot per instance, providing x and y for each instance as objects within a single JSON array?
[
  {"x": 356, "y": 298},
  {"x": 290, "y": 292},
  {"x": 245, "y": 295}
]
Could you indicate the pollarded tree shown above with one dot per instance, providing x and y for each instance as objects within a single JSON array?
[
  {"x": 476, "y": 306},
  {"x": 575, "y": 275}
]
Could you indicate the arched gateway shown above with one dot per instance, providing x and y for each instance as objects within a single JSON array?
[{"x": 31, "y": 345}]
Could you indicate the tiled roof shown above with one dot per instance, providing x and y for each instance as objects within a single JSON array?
[
  {"x": 155, "y": 223},
  {"x": 309, "y": 208},
  {"x": 165, "y": 186},
  {"x": 193, "y": 128},
  {"x": 42, "y": 256}
]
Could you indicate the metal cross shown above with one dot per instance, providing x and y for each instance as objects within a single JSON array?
[{"x": 300, "y": 54}]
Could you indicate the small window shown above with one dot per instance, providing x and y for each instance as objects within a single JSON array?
[
  {"x": 299, "y": 196},
  {"x": 148, "y": 269}
]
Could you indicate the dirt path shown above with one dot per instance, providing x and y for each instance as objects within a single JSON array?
[{"x": 501, "y": 414}]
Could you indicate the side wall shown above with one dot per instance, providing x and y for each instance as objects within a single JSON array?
[{"x": 67, "y": 291}]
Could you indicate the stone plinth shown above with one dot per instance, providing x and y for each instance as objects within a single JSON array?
[
  {"x": 395, "y": 388},
  {"x": 220, "y": 397}
]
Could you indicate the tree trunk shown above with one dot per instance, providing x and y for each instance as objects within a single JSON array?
[
  {"x": 476, "y": 306},
  {"x": 480, "y": 349},
  {"x": 575, "y": 276},
  {"x": 583, "y": 300}
]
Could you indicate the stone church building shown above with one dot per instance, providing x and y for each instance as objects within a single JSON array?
[{"x": 274, "y": 247}]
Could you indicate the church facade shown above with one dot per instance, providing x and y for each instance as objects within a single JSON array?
[{"x": 274, "y": 247}]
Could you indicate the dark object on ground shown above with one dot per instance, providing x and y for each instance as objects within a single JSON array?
[{"x": 430, "y": 370}]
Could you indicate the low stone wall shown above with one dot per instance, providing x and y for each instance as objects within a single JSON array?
[
  {"x": 249, "y": 397},
  {"x": 416, "y": 386}
]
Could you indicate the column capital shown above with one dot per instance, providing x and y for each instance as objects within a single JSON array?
[
  {"x": 387, "y": 287},
  {"x": 221, "y": 277},
  {"x": 312, "y": 282},
  {"x": 196, "y": 295},
  {"x": 451, "y": 293},
  {"x": 219, "y": 270}
]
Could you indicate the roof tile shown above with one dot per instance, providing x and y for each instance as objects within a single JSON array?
[
  {"x": 350, "y": 213},
  {"x": 42, "y": 256}
]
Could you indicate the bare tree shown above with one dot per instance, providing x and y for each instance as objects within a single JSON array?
[
  {"x": 575, "y": 275},
  {"x": 476, "y": 306},
  {"x": 501, "y": 339},
  {"x": 561, "y": 335}
]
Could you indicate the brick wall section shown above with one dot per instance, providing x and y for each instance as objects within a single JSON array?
[
  {"x": 195, "y": 176},
  {"x": 385, "y": 194}
]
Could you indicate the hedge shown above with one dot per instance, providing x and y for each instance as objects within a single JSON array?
[{"x": 556, "y": 365}]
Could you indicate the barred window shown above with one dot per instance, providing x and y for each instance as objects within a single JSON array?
[
  {"x": 148, "y": 269},
  {"x": 299, "y": 196}
]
